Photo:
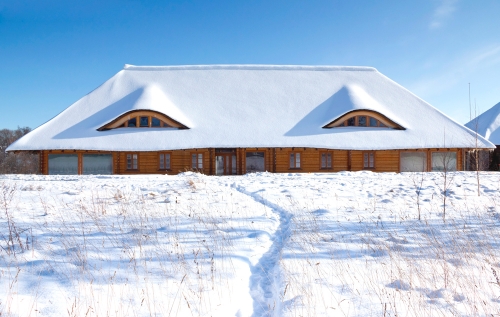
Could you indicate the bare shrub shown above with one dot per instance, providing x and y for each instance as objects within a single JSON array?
[
  {"x": 25, "y": 162},
  {"x": 12, "y": 237}
]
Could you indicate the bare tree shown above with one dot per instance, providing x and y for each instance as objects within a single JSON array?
[
  {"x": 449, "y": 161},
  {"x": 418, "y": 172},
  {"x": 445, "y": 162},
  {"x": 478, "y": 159},
  {"x": 25, "y": 162}
]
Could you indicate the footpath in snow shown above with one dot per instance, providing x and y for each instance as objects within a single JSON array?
[
  {"x": 266, "y": 283},
  {"x": 342, "y": 244}
]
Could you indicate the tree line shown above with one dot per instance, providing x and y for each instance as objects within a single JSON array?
[{"x": 24, "y": 162}]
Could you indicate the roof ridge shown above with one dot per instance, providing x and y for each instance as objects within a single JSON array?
[{"x": 250, "y": 67}]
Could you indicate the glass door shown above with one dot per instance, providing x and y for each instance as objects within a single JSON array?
[{"x": 225, "y": 162}]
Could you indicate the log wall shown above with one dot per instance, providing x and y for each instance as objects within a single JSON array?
[
  {"x": 148, "y": 162},
  {"x": 277, "y": 160}
]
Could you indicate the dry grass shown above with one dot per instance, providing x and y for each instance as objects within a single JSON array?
[{"x": 175, "y": 251}]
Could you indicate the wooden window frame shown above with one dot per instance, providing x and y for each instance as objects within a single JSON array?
[
  {"x": 341, "y": 122},
  {"x": 165, "y": 168},
  {"x": 373, "y": 163},
  {"x": 446, "y": 152},
  {"x": 161, "y": 122},
  {"x": 122, "y": 120},
  {"x": 199, "y": 161},
  {"x": 321, "y": 160},
  {"x": 138, "y": 118},
  {"x": 344, "y": 123},
  {"x": 244, "y": 158},
  {"x": 294, "y": 153},
  {"x": 81, "y": 155},
  {"x": 137, "y": 161},
  {"x": 150, "y": 122},
  {"x": 126, "y": 122},
  {"x": 427, "y": 158}
]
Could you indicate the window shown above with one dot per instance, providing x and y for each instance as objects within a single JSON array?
[
  {"x": 143, "y": 119},
  {"x": 63, "y": 164},
  {"x": 413, "y": 162},
  {"x": 363, "y": 118},
  {"x": 326, "y": 160},
  {"x": 144, "y": 122},
  {"x": 197, "y": 160},
  {"x": 362, "y": 121},
  {"x": 101, "y": 164},
  {"x": 164, "y": 161},
  {"x": 131, "y": 123},
  {"x": 369, "y": 160},
  {"x": 155, "y": 122},
  {"x": 444, "y": 161},
  {"x": 294, "y": 160},
  {"x": 255, "y": 162},
  {"x": 132, "y": 161}
]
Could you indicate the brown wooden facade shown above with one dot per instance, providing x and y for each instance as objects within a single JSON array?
[{"x": 276, "y": 160}]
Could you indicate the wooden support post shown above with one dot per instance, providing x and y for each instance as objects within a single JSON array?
[
  {"x": 117, "y": 168},
  {"x": 80, "y": 164},
  {"x": 239, "y": 169},
  {"x": 274, "y": 160},
  {"x": 211, "y": 161},
  {"x": 40, "y": 162},
  {"x": 462, "y": 157},
  {"x": 349, "y": 157},
  {"x": 399, "y": 161},
  {"x": 429, "y": 160}
]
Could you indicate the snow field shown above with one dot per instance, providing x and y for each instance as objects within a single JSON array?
[
  {"x": 357, "y": 250},
  {"x": 343, "y": 244}
]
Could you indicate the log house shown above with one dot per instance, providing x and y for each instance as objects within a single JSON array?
[
  {"x": 236, "y": 119},
  {"x": 274, "y": 160}
]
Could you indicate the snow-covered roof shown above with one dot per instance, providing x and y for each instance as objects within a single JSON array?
[
  {"x": 488, "y": 124},
  {"x": 248, "y": 106}
]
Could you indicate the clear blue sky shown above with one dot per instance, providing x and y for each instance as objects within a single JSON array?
[{"x": 54, "y": 52}]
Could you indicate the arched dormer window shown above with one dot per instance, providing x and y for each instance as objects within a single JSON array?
[
  {"x": 143, "y": 119},
  {"x": 363, "y": 118}
]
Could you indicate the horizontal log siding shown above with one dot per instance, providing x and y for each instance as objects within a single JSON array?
[
  {"x": 387, "y": 161},
  {"x": 180, "y": 161},
  {"x": 357, "y": 160},
  {"x": 276, "y": 160},
  {"x": 340, "y": 160},
  {"x": 310, "y": 160}
]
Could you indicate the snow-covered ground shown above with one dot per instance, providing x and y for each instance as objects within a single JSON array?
[{"x": 343, "y": 244}]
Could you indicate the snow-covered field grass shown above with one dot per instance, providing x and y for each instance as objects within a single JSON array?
[{"x": 343, "y": 244}]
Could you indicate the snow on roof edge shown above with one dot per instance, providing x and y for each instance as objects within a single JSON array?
[
  {"x": 466, "y": 128},
  {"x": 251, "y": 67},
  {"x": 247, "y": 145},
  {"x": 482, "y": 113}
]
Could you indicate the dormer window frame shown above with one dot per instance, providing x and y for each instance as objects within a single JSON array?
[
  {"x": 123, "y": 121},
  {"x": 352, "y": 119}
]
